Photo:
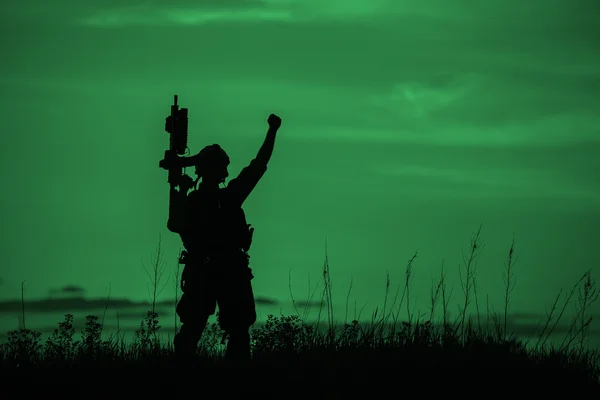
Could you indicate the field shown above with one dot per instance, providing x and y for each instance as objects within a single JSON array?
[{"x": 389, "y": 353}]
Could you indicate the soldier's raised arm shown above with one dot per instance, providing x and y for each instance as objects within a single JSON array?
[
  {"x": 241, "y": 186},
  {"x": 266, "y": 150}
]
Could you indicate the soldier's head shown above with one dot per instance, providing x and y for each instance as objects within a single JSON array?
[{"x": 211, "y": 164}]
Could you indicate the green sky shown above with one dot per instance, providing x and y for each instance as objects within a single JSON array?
[{"x": 406, "y": 124}]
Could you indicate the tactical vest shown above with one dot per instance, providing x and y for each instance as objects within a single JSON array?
[{"x": 214, "y": 226}]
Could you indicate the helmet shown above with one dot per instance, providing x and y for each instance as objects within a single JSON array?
[{"x": 211, "y": 157}]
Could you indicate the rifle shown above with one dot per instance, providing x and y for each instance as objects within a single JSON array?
[{"x": 176, "y": 124}]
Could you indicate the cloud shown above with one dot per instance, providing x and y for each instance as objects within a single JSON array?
[
  {"x": 334, "y": 9},
  {"x": 549, "y": 132},
  {"x": 185, "y": 12},
  {"x": 442, "y": 110},
  {"x": 180, "y": 12},
  {"x": 420, "y": 98},
  {"x": 144, "y": 15},
  {"x": 196, "y": 13},
  {"x": 307, "y": 303},
  {"x": 68, "y": 289},
  {"x": 90, "y": 305},
  {"x": 498, "y": 182},
  {"x": 509, "y": 15}
]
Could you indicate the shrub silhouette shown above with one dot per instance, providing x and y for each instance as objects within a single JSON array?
[{"x": 290, "y": 342}]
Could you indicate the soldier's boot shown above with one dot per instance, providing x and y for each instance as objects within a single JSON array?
[
  {"x": 238, "y": 347},
  {"x": 185, "y": 345}
]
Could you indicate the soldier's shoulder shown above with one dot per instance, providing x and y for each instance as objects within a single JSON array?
[{"x": 229, "y": 195}]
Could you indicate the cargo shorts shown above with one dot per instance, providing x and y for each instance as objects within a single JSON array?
[{"x": 218, "y": 281}]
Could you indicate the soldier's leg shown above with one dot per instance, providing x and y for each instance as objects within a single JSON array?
[
  {"x": 195, "y": 306},
  {"x": 193, "y": 321},
  {"x": 237, "y": 313}
]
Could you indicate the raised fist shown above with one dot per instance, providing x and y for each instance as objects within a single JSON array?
[{"x": 274, "y": 121}]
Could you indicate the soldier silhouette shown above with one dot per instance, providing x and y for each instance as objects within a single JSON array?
[{"x": 212, "y": 226}]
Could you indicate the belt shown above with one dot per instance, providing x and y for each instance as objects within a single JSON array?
[{"x": 205, "y": 257}]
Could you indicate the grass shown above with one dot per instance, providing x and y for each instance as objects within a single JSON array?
[{"x": 388, "y": 350}]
